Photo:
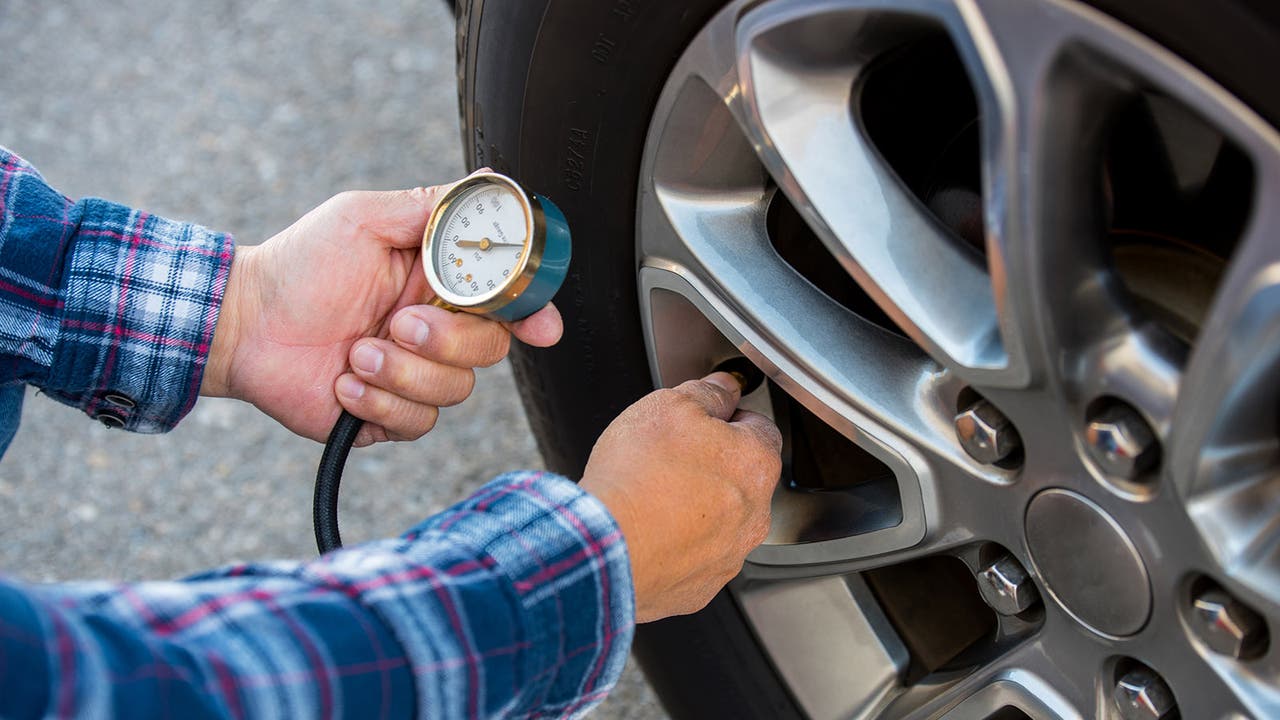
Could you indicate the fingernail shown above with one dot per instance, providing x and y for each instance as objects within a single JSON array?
[
  {"x": 723, "y": 380},
  {"x": 410, "y": 329},
  {"x": 367, "y": 358},
  {"x": 350, "y": 387}
]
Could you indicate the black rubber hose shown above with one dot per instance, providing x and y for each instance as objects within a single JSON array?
[{"x": 324, "y": 507}]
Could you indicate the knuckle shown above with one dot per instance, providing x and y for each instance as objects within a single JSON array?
[
  {"x": 430, "y": 415},
  {"x": 699, "y": 603},
  {"x": 662, "y": 397},
  {"x": 762, "y": 433},
  {"x": 492, "y": 345},
  {"x": 756, "y": 494},
  {"x": 759, "y": 455},
  {"x": 382, "y": 405},
  {"x": 428, "y": 194},
  {"x": 447, "y": 342},
  {"x": 451, "y": 386},
  {"x": 349, "y": 205},
  {"x": 675, "y": 401},
  {"x": 404, "y": 432},
  {"x": 463, "y": 386},
  {"x": 727, "y": 573},
  {"x": 704, "y": 393},
  {"x": 401, "y": 374},
  {"x": 768, "y": 465},
  {"x": 479, "y": 345},
  {"x": 344, "y": 199},
  {"x": 771, "y": 435},
  {"x": 652, "y": 406},
  {"x": 689, "y": 387},
  {"x": 740, "y": 502},
  {"x": 419, "y": 423},
  {"x": 364, "y": 438},
  {"x": 760, "y": 532}
]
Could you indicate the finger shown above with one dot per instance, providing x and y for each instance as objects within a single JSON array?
[
  {"x": 458, "y": 339},
  {"x": 370, "y": 434},
  {"x": 373, "y": 434},
  {"x": 762, "y": 459},
  {"x": 398, "y": 217},
  {"x": 764, "y": 430},
  {"x": 384, "y": 364},
  {"x": 717, "y": 393},
  {"x": 541, "y": 329},
  {"x": 401, "y": 418}
]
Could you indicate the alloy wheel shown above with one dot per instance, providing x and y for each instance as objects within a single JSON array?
[{"x": 1011, "y": 270}]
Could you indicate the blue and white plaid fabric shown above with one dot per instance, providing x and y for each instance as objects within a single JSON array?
[
  {"x": 105, "y": 308},
  {"x": 515, "y": 603}
]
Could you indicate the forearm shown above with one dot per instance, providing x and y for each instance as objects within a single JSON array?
[
  {"x": 107, "y": 309},
  {"x": 515, "y": 602}
]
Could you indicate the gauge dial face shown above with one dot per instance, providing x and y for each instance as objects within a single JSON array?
[{"x": 481, "y": 240}]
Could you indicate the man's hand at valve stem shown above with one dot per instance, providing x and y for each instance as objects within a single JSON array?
[{"x": 331, "y": 314}]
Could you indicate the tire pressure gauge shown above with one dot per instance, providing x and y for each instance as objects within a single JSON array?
[
  {"x": 491, "y": 248},
  {"x": 495, "y": 249}
]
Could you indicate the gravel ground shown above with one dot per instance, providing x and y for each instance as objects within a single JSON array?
[{"x": 240, "y": 115}]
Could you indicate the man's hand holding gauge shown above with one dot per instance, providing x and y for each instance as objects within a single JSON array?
[{"x": 509, "y": 284}]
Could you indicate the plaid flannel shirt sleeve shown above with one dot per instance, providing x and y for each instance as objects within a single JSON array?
[
  {"x": 103, "y": 307},
  {"x": 516, "y": 603}
]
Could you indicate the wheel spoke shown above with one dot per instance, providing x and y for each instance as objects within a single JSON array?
[
  {"x": 1225, "y": 442},
  {"x": 1033, "y": 678},
  {"x": 798, "y": 105},
  {"x": 816, "y": 631},
  {"x": 1029, "y": 677},
  {"x": 1046, "y": 101},
  {"x": 1203, "y": 690}
]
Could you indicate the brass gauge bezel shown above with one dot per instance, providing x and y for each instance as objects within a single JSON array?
[{"x": 522, "y": 276}]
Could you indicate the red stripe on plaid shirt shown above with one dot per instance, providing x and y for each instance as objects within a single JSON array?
[{"x": 149, "y": 243}]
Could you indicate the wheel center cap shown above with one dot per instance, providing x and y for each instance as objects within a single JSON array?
[{"x": 1087, "y": 563}]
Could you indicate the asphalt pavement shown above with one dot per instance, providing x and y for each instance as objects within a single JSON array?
[{"x": 240, "y": 115}]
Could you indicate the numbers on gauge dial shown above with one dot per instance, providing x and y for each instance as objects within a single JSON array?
[{"x": 481, "y": 241}]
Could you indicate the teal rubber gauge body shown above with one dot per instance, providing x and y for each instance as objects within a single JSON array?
[{"x": 493, "y": 248}]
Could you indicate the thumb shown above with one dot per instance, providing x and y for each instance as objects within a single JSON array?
[
  {"x": 717, "y": 393},
  {"x": 397, "y": 218}
]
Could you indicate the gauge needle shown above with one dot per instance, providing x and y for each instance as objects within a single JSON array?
[{"x": 485, "y": 244}]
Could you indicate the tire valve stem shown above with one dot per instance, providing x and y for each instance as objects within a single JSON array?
[{"x": 749, "y": 376}]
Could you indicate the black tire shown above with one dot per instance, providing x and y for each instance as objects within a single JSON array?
[{"x": 560, "y": 93}]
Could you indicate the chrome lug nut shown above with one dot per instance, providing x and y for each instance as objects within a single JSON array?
[
  {"x": 1006, "y": 587},
  {"x": 986, "y": 434},
  {"x": 1227, "y": 626},
  {"x": 1142, "y": 695},
  {"x": 1121, "y": 442}
]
